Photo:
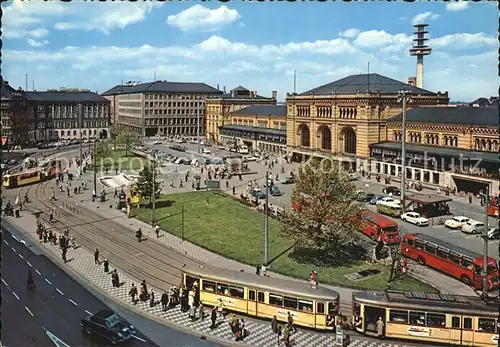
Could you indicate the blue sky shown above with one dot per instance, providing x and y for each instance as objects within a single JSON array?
[{"x": 257, "y": 45}]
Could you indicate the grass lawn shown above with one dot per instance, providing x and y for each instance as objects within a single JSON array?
[
  {"x": 226, "y": 227},
  {"x": 117, "y": 159}
]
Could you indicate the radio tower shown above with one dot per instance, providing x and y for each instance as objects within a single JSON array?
[{"x": 420, "y": 49}]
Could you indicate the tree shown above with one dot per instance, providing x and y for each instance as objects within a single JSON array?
[
  {"x": 114, "y": 131},
  {"x": 145, "y": 183},
  {"x": 126, "y": 138},
  {"x": 326, "y": 216}
]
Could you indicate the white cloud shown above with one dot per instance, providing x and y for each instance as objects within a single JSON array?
[
  {"x": 350, "y": 33},
  {"x": 421, "y": 18},
  {"x": 463, "y": 41},
  {"x": 457, "y": 5},
  {"x": 377, "y": 39},
  {"x": 201, "y": 18},
  {"x": 35, "y": 43}
]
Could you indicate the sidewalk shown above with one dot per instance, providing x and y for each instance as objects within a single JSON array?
[{"x": 81, "y": 262}]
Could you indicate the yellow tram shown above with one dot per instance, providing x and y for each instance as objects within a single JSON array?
[
  {"x": 23, "y": 178},
  {"x": 439, "y": 318},
  {"x": 264, "y": 297}
]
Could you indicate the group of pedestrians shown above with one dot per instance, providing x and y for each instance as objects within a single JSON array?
[{"x": 286, "y": 329}]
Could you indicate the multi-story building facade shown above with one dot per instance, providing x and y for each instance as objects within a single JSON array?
[
  {"x": 259, "y": 127},
  {"x": 69, "y": 115},
  {"x": 161, "y": 107},
  {"x": 17, "y": 119},
  {"x": 219, "y": 108}
]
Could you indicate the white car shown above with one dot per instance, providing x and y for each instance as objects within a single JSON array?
[
  {"x": 205, "y": 151},
  {"x": 249, "y": 158},
  {"x": 456, "y": 222},
  {"x": 473, "y": 227},
  {"x": 157, "y": 143},
  {"x": 389, "y": 199},
  {"x": 415, "y": 218}
]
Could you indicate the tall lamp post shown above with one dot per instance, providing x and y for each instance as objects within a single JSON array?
[
  {"x": 485, "y": 245},
  {"x": 153, "y": 210},
  {"x": 404, "y": 96},
  {"x": 266, "y": 222},
  {"x": 95, "y": 167}
]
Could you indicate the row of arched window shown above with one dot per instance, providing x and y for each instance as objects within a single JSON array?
[
  {"x": 303, "y": 111},
  {"x": 84, "y": 132},
  {"x": 486, "y": 145},
  {"x": 430, "y": 139},
  {"x": 349, "y": 113},
  {"x": 324, "y": 112}
]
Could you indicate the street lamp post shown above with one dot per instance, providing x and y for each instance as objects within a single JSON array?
[
  {"x": 198, "y": 133},
  {"x": 485, "y": 244},
  {"x": 95, "y": 167},
  {"x": 266, "y": 222},
  {"x": 404, "y": 96},
  {"x": 153, "y": 210}
]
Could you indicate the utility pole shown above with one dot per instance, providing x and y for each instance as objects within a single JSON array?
[
  {"x": 404, "y": 96},
  {"x": 485, "y": 244},
  {"x": 198, "y": 132},
  {"x": 182, "y": 222},
  {"x": 95, "y": 167},
  {"x": 153, "y": 211},
  {"x": 266, "y": 223}
]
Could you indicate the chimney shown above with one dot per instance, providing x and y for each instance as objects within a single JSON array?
[
  {"x": 275, "y": 94},
  {"x": 412, "y": 81},
  {"x": 254, "y": 94}
]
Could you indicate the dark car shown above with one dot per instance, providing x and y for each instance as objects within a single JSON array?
[
  {"x": 362, "y": 197},
  {"x": 392, "y": 190},
  {"x": 289, "y": 180},
  {"x": 257, "y": 193},
  {"x": 109, "y": 325}
]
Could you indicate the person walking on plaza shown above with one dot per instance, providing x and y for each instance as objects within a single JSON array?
[
  {"x": 164, "y": 301},
  {"x": 380, "y": 328},
  {"x": 64, "y": 250},
  {"x": 106, "y": 265},
  {"x": 286, "y": 336},
  {"x": 291, "y": 326},
  {"x": 220, "y": 308},
  {"x": 157, "y": 231},
  {"x": 200, "y": 312},
  {"x": 192, "y": 313},
  {"x": 115, "y": 279},
  {"x": 191, "y": 298},
  {"x": 152, "y": 298},
  {"x": 133, "y": 292},
  {"x": 138, "y": 234},
  {"x": 96, "y": 257},
  {"x": 213, "y": 317},
  {"x": 274, "y": 325}
]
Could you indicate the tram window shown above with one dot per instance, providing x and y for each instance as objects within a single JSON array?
[
  {"x": 306, "y": 306},
  {"x": 466, "y": 263},
  {"x": 332, "y": 308},
  {"x": 222, "y": 289},
  {"x": 487, "y": 325},
  {"x": 419, "y": 244},
  {"x": 431, "y": 249},
  {"x": 409, "y": 242},
  {"x": 442, "y": 253},
  {"x": 208, "y": 286},
  {"x": 398, "y": 316},
  {"x": 290, "y": 303},
  {"x": 357, "y": 309},
  {"x": 251, "y": 295},
  {"x": 455, "y": 322},
  {"x": 260, "y": 297},
  {"x": 454, "y": 258},
  {"x": 436, "y": 319},
  {"x": 237, "y": 292},
  {"x": 275, "y": 300},
  {"x": 320, "y": 307},
  {"x": 417, "y": 318},
  {"x": 468, "y": 323}
]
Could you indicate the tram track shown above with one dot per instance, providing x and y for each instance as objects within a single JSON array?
[{"x": 117, "y": 243}]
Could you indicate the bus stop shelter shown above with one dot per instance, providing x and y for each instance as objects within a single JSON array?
[{"x": 428, "y": 205}]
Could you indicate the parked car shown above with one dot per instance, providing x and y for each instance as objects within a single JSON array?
[
  {"x": 414, "y": 218},
  {"x": 205, "y": 151},
  {"x": 275, "y": 191},
  {"x": 473, "y": 227},
  {"x": 258, "y": 193},
  {"x": 157, "y": 143},
  {"x": 456, "y": 222},
  {"x": 386, "y": 199},
  {"x": 108, "y": 325},
  {"x": 392, "y": 190},
  {"x": 493, "y": 234},
  {"x": 376, "y": 198},
  {"x": 288, "y": 180},
  {"x": 249, "y": 158},
  {"x": 362, "y": 197}
]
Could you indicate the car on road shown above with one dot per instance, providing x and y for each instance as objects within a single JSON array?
[
  {"x": 157, "y": 143},
  {"x": 249, "y": 158},
  {"x": 456, "y": 222},
  {"x": 392, "y": 190},
  {"x": 494, "y": 234},
  {"x": 12, "y": 162},
  {"x": 386, "y": 199},
  {"x": 275, "y": 191},
  {"x": 364, "y": 197},
  {"x": 258, "y": 193},
  {"x": 205, "y": 151},
  {"x": 376, "y": 198},
  {"x": 109, "y": 325},
  {"x": 415, "y": 218},
  {"x": 473, "y": 227},
  {"x": 288, "y": 180}
]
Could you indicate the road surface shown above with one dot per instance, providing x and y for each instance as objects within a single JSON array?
[{"x": 59, "y": 303}]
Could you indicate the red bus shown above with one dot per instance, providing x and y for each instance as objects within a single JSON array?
[
  {"x": 455, "y": 261},
  {"x": 493, "y": 209},
  {"x": 379, "y": 228}
]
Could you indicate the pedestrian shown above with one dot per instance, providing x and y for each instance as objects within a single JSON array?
[
  {"x": 213, "y": 317},
  {"x": 291, "y": 326},
  {"x": 44, "y": 236},
  {"x": 138, "y": 234},
  {"x": 64, "y": 255},
  {"x": 380, "y": 328},
  {"x": 164, "y": 301},
  {"x": 243, "y": 330},
  {"x": 115, "y": 279},
  {"x": 274, "y": 325},
  {"x": 234, "y": 190},
  {"x": 191, "y": 298},
  {"x": 106, "y": 265},
  {"x": 470, "y": 198},
  {"x": 133, "y": 293},
  {"x": 96, "y": 256},
  {"x": 192, "y": 313},
  {"x": 116, "y": 193},
  {"x": 313, "y": 280},
  {"x": 152, "y": 299},
  {"x": 157, "y": 231},
  {"x": 200, "y": 312},
  {"x": 220, "y": 308},
  {"x": 286, "y": 336}
]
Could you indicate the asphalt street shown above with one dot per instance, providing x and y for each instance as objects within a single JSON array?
[{"x": 59, "y": 302}]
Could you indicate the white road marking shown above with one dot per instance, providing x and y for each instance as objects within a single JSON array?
[
  {"x": 6, "y": 242},
  {"x": 14, "y": 293},
  {"x": 88, "y": 312},
  {"x": 46, "y": 280},
  {"x": 470, "y": 237},
  {"x": 27, "y": 309},
  {"x": 15, "y": 238},
  {"x": 138, "y": 254},
  {"x": 13, "y": 249},
  {"x": 3, "y": 281},
  {"x": 74, "y": 303},
  {"x": 59, "y": 291},
  {"x": 29, "y": 264},
  {"x": 138, "y": 338},
  {"x": 38, "y": 272},
  {"x": 453, "y": 231},
  {"x": 20, "y": 256}
]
